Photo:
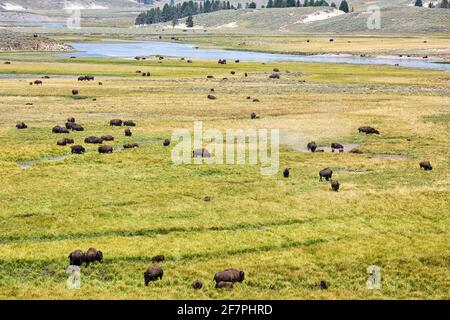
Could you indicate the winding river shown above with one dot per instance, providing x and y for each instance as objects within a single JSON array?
[{"x": 130, "y": 49}]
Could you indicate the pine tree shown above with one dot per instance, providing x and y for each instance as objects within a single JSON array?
[
  {"x": 344, "y": 6},
  {"x": 190, "y": 22},
  {"x": 174, "y": 22},
  {"x": 333, "y": 5},
  {"x": 418, "y": 3},
  {"x": 444, "y": 4},
  {"x": 270, "y": 4}
]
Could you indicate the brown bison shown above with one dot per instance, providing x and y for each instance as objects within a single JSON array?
[
  {"x": 153, "y": 274},
  {"x": 286, "y": 172},
  {"x": 128, "y": 132},
  {"x": 64, "y": 142},
  {"x": 203, "y": 153},
  {"x": 159, "y": 258},
  {"x": 224, "y": 285},
  {"x": 92, "y": 255},
  {"x": 130, "y": 145},
  {"x": 335, "y": 185},
  {"x": 222, "y": 61},
  {"x": 426, "y": 165},
  {"x": 253, "y": 116},
  {"x": 93, "y": 140},
  {"x": 75, "y": 92},
  {"x": 105, "y": 149},
  {"x": 21, "y": 125},
  {"x": 78, "y": 149},
  {"x": 274, "y": 76},
  {"x": 166, "y": 143},
  {"x": 115, "y": 122},
  {"x": 233, "y": 72},
  {"x": 209, "y": 77},
  {"x": 38, "y": 82},
  {"x": 368, "y": 130},
  {"x": 326, "y": 173},
  {"x": 312, "y": 146},
  {"x": 324, "y": 285},
  {"x": 76, "y": 258},
  {"x": 197, "y": 284},
  {"x": 76, "y": 127},
  {"x": 229, "y": 275},
  {"x": 337, "y": 146},
  {"x": 129, "y": 123},
  {"x": 107, "y": 138},
  {"x": 59, "y": 129},
  {"x": 211, "y": 97}
]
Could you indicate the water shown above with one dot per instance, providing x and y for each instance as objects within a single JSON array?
[{"x": 130, "y": 49}]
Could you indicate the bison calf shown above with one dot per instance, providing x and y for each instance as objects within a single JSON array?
[
  {"x": 153, "y": 274},
  {"x": 335, "y": 185},
  {"x": 197, "y": 284}
]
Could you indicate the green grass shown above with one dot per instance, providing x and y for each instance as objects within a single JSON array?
[{"x": 286, "y": 234}]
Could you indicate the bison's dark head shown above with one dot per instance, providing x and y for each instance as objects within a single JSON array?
[
  {"x": 241, "y": 276},
  {"x": 99, "y": 256},
  {"x": 147, "y": 278}
]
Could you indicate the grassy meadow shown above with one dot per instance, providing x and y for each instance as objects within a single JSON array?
[{"x": 286, "y": 234}]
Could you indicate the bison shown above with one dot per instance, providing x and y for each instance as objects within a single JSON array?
[
  {"x": 59, "y": 129},
  {"x": 253, "y": 116},
  {"x": 337, "y": 146},
  {"x": 153, "y": 274},
  {"x": 166, "y": 143},
  {"x": 326, "y": 173},
  {"x": 38, "y": 82},
  {"x": 93, "y": 140},
  {"x": 92, "y": 255},
  {"x": 426, "y": 165},
  {"x": 21, "y": 125},
  {"x": 78, "y": 149},
  {"x": 115, "y": 122},
  {"x": 71, "y": 119},
  {"x": 159, "y": 258},
  {"x": 211, "y": 97},
  {"x": 335, "y": 185},
  {"x": 129, "y": 123},
  {"x": 82, "y": 78},
  {"x": 229, "y": 275},
  {"x": 222, "y": 61},
  {"x": 76, "y": 127},
  {"x": 75, "y": 92},
  {"x": 324, "y": 285},
  {"x": 286, "y": 172},
  {"x": 105, "y": 149},
  {"x": 197, "y": 284},
  {"x": 368, "y": 130},
  {"x": 76, "y": 258},
  {"x": 274, "y": 76},
  {"x": 203, "y": 153},
  {"x": 107, "y": 138},
  {"x": 312, "y": 146},
  {"x": 128, "y": 132},
  {"x": 64, "y": 142},
  {"x": 130, "y": 145}
]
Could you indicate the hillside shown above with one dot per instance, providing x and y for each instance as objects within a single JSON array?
[
  {"x": 404, "y": 19},
  {"x": 29, "y": 5},
  {"x": 11, "y": 41}
]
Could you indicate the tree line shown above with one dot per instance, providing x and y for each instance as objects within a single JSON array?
[{"x": 444, "y": 4}]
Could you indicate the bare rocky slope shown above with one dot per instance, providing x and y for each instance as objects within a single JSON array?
[{"x": 13, "y": 41}]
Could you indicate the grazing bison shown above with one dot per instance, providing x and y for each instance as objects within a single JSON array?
[
  {"x": 209, "y": 77},
  {"x": 130, "y": 145},
  {"x": 78, "y": 149},
  {"x": 71, "y": 119},
  {"x": 59, "y": 129},
  {"x": 7, "y": 62},
  {"x": 64, "y": 142},
  {"x": 129, "y": 123},
  {"x": 274, "y": 76},
  {"x": 224, "y": 285},
  {"x": 76, "y": 127},
  {"x": 21, "y": 125},
  {"x": 76, "y": 258},
  {"x": 324, "y": 285},
  {"x": 211, "y": 97},
  {"x": 312, "y": 146},
  {"x": 107, "y": 138},
  {"x": 153, "y": 274},
  {"x": 105, "y": 149},
  {"x": 286, "y": 172},
  {"x": 93, "y": 255},
  {"x": 93, "y": 140},
  {"x": 203, "y": 153},
  {"x": 229, "y": 275},
  {"x": 166, "y": 143},
  {"x": 335, "y": 185},
  {"x": 89, "y": 78},
  {"x": 326, "y": 173},
  {"x": 82, "y": 78},
  {"x": 75, "y": 92},
  {"x": 128, "y": 132},
  {"x": 38, "y": 82},
  {"x": 115, "y": 122},
  {"x": 337, "y": 146},
  {"x": 233, "y": 72},
  {"x": 159, "y": 258},
  {"x": 426, "y": 165},
  {"x": 197, "y": 284},
  {"x": 222, "y": 61},
  {"x": 368, "y": 130}
]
